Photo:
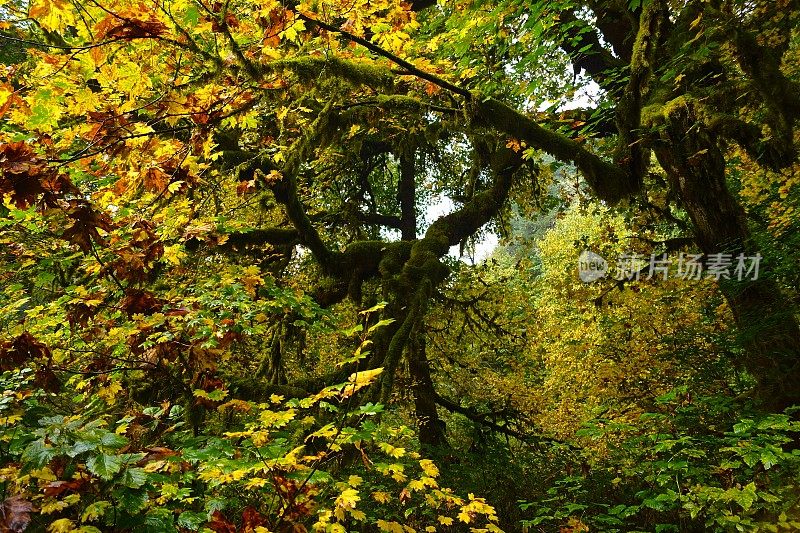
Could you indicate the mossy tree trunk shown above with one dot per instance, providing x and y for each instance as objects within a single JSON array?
[{"x": 695, "y": 169}]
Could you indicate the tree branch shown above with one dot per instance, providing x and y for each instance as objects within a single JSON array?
[
  {"x": 482, "y": 419},
  {"x": 610, "y": 182},
  {"x": 411, "y": 69}
]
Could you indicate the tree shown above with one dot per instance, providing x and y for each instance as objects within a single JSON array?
[
  {"x": 185, "y": 178},
  {"x": 341, "y": 117}
]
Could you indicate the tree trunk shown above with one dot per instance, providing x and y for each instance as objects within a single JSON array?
[
  {"x": 431, "y": 427},
  {"x": 695, "y": 169}
]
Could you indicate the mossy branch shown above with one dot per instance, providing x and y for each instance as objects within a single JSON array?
[
  {"x": 401, "y": 336},
  {"x": 311, "y": 67},
  {"x": 372, "y": 47},
  {"x": 610, "y": 182},
  {"x": 286, "y": 190},
  {"x": 260, "y": 237},
  {"x": 630, "y": 152}
]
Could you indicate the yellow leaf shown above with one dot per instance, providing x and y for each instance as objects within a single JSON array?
[
  {"x": 359, "y": 380},
  {"x": 429, "y": 468},
  {"x": 291, "y": 32},
  {"x": 63, "y": 525},
  {"x": 348, "y": 499},
  {"x": 52, "y": 15},
  {"x": 53, "y": 506},
  {"x": 391, "y": 527},
  {"x": 155, "y": 466},
  {"x": 392, "y": 451},
  {"x": 415, "y": 485},
  {"x": 175, "y": 186},
  {"x": 174, "y": 254},
  {"x": 382, "y": 497},
  {"x": 255, "y": 483},
  {"x": 109, "y": 392},
  {"x": 365, "y": 377},
  {"x": 11, "y": 419},
  {"x": 445, "y": 520}
]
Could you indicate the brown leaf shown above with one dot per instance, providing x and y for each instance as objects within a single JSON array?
[
  {"x": 133, "y": 27},
  {"x": 87, "y": 222},
  {"x": 220, "y": 524},
  {"x": 16, "y": 514},
  {"x": 142, "y": 302},
  {"x": 20, "y": 350},
  {"x": 47, "y": 380},
  {"x": 56, "y": 488},
  {"x": 251, "y": 519},
  {"x": 156, "y": 453},
  {"x": 22, "y": 171}
]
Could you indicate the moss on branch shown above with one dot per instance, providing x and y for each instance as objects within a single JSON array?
[
  {"x": 309, "y": 68},
  {"x": 610, "y": 182}
]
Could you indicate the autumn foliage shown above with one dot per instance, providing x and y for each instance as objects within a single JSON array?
[{"x": 292, "y": 266}]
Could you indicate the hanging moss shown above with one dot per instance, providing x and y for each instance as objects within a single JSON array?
[{"x": 417, "y": 308}]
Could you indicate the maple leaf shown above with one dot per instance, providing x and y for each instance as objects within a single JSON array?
[
  {"x": 167, "y": 176},
  {"x": 128, "y": 27},
  {"x": 20, "y": 350},
  {"x": 87, "y": 223},
  {"x": 137, "y": 301},
  {"x": 8, "y": 97},
  {"x": 107, "y": 128},
  {"x": 52, "y": 15},
  {"x": 16, "y": 514},
  {"x": 251, "y": 519},
  {"x": 22, "y": 170},
  {"x": 47, "y": 380},
  {"x": 220, "y": 524}
]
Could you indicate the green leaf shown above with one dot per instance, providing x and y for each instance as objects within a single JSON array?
[
  {"x": 191, "y": 520},
  {"x": 131, "y": 501},
  {"x": 80, "y": 447},
  {"x": 380, "y": 324},
  {"x": 742, "y": 427},
  {"x": 95, "y": 511},
  {"x": 159, "y": 520},
  {"x": 38, "y": 453},
  {"x": 134, "y": 477},
  {"x": 104, "y": 466},
  {"x": 358, "y": 328},
  {"x": 377, "y": 307},
  {"x": 768, "y": 459},
  {"x": 112, "y": 440},
  {"x": 371, "y": 408},
  {"x": 747, "y": 496}
]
